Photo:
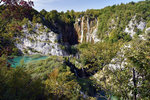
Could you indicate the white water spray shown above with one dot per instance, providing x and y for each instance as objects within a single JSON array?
[{"x": 82, "y": 30}]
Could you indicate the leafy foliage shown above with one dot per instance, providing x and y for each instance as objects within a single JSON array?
[
  {"x": 18, "y": 84},
  {"x": 131, "y": 72},
  {"x": 94, "y": 57},
  {"x": 40, "y": 69},
  {"x": 63, "y": 84},
  {"x": 113, "y": 26},
  {"x": 53, "y": 79}
]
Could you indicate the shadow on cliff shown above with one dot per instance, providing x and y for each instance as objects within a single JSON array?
[{"x": 66, "y": 31}]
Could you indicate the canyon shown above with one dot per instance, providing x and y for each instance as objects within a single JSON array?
[{"x": 42, "y": 40}]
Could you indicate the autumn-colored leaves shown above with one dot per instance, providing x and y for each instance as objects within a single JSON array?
[{"x": 18, "y": 3}]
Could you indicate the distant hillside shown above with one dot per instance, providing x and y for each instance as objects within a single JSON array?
[
  {"x": 112, "y": 23},
  {"x": 99, "y": 54}
]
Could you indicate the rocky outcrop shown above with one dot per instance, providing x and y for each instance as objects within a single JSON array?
[
  {"x": 147, "y": 31},
  {"x": 133, "y": 24},
  {"x": 146, "y": 35},
  {"x": 66, "y": 30},
  {"x": 69, "y": 34},
  {"x": 40, "y": 40},
  {"x": 86, "y": 29}
]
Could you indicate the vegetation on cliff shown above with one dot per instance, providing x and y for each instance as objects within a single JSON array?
[{"x": 118, "y": 65}]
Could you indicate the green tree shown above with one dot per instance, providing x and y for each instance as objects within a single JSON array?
[
  {"x": 127, "y": 76},
  {"x": 139, "y": 57},
  {"x": 94, "y": 57},
  {"x": 63, "y": 85},
  {"x": 16, "y": 84}
]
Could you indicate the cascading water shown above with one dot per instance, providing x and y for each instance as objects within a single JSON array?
[
  {"x": 90, "y": 38},
  {"x": 82, "y": 31},
  {"x": 96, "y": 23},
  {"x": 88, "y": 30},
  {"x": 94, "y": 34}
]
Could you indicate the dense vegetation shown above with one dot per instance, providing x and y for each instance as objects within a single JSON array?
[
  {"x": 88, "y": 75},
  {"x": 120, "y": 17},
  {"x": 111, "y": 28}
]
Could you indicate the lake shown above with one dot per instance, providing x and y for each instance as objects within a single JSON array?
[{"x": 16, "y": 61}]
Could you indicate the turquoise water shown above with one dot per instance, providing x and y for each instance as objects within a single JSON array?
[{"x": 16, "y": 61}]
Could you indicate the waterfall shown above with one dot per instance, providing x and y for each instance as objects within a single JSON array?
[
  {"x": 82, "y": 30},
  {"x": 94, "y": 34},
  {"x": 90, "y": 38},
  {"x": 97, "y": 23},
  {"x": 83, "y": 94},
  {"x": 88, "y": 30}
]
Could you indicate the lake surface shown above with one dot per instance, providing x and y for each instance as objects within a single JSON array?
[{"x": 16, "y": 61}]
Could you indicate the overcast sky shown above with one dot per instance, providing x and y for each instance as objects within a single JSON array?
[{"x": 77, "y": 5}]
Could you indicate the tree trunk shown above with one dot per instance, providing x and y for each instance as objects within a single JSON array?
[{"x": 135, "y": 87}]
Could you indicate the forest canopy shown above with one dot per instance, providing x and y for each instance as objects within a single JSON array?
[{"x": 116, "y": 66}]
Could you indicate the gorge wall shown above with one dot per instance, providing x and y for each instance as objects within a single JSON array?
[
  {"x": 87, "y": 29},
  {"x": 39, "y": 39},
  {"x": 63, "y": 30},
  {"x": 83, "y": 30},
  {"x": 50, "y": 33}
]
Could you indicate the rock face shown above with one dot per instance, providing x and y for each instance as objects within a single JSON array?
[
  {"x": 37, "y": 41},
  {"x": 86, "y": 29},
  {"x": 68, "y": 34},
  {"x": 120, "y": 61},
  {"x": 133, "y": 24},
  {"x": 147, "y": 31},
  {"x": 66, "y": 31}
]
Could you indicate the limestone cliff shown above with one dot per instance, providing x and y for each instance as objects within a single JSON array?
[
  {"x": 133, "y": 25},
  {"x": 39, "y": 40},
  {"x": 86, "y": 29}
]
